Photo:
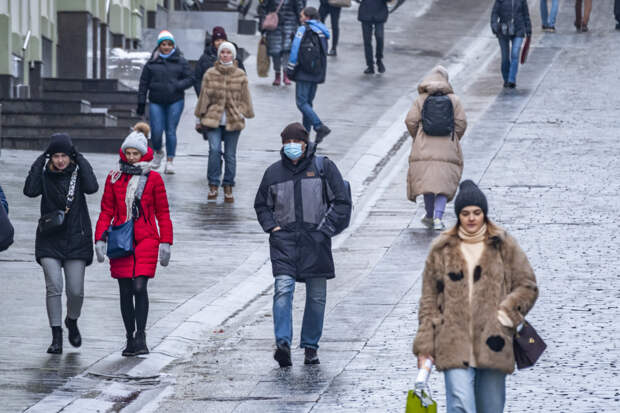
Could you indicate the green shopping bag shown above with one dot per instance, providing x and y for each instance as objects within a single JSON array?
[{"x": 420, "y": 401}]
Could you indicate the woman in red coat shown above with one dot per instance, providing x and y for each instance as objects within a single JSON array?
[{"x": 120, "y": 203}]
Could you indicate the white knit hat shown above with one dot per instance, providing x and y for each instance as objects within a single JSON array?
[
  {"x": 229, "y": 46},
  {"x": 136, "y": 140}
]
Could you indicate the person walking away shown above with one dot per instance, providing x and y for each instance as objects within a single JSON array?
[
  {"x": 582, "y": 18},
  {"x": 548, "y": 17},
  {"x": 373, "y": 14},
  {"x": 164, "y": 78},
  {"x": 279, "y": 41},
  {"x": 326, "y": 9},
  {"x": 209, "y": 56},
  {"x": 222, "y": 107},
  {"x": 307, "y": 65},
  {"x": 477, "y": 288},
  {"x": 62, "y": 177},
  {"x": 510, "y": 22},
  {"x": 7, "y": 231},
  {"x": 436, "y": 160},
  {"x": 293, "y": 206},
  {"x": 136, "y": 193}
]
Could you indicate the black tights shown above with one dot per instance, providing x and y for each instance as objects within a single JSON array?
[{"x": 134, "y": 315}]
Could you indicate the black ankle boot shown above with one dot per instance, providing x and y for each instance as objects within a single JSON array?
[
  {"x": 56, "y": 346},
  {"x": 75, "y": 337},
  {"x": 130, "y": 348},
  {"x": 141, "y": 347}
]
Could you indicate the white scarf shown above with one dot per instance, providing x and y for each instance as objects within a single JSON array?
[{"x": 132, "y": 187}]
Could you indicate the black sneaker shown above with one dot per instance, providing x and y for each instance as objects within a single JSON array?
[
  {"x": 283, "y": 355},
  {"x": 380, "y": 66},
  {"x": 311, "y": 356},
  {"x": 74, "y": 333},
  {"x": 332, "y": 53},
  {"x": 370, "y": 70},
  {"x": 506, "y": 84},
  {"x": 512, "y": 85},
  {"x": 321, "y": 132}
]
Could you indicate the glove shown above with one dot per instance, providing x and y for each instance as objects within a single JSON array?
[
  {"x": 100, "y": 250},
  {"x": 140, "y": 109},
  {"x": 164, "y": 254}
]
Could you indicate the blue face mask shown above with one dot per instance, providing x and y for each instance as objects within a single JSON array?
[{"x": 293, "y": 150}]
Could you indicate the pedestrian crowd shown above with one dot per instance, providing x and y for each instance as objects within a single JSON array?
[{"x": 477, "y": 285}]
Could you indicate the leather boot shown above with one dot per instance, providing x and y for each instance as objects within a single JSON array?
[
  {"x": 228, "y": 195},
  {"x": 140, "y": 341},
  {"x": 287, "y": 81},
  {"x": 276, "y": 81},
  {"x": 212, "y": 193},
  {"x": 56, "y": 346},
  {"x": 75, "y": 338},
  {"x": 130, "y": 348}
]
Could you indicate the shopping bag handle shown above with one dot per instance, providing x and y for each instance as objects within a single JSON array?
[{"x": 423, "y": 391}]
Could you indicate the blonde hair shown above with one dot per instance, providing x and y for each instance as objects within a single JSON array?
[{"x": 143, "y": 128}]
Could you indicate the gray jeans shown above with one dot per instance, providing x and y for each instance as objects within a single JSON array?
[{"x": 74, "y": 274}]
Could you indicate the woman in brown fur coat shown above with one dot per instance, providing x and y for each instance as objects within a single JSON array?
[
  {"x": 477, "y": 288},
  {"x": 222, "y": 107}
]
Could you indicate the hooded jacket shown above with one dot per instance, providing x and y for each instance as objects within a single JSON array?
[
  {"x": 147, "y": 236},
  {"x": 506, "y": 10},
  {"x": 75, "y": 240},
  {"x": 295, "y": 198},
  {"x": 207, "y": 61},
  {"x": 293, "y": 67},
  {"x": 165, "y": 80}
]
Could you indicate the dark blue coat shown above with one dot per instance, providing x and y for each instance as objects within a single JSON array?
[
  {"x": 295, "y": 198},
  {"x": 373, "y": 11},
  {"x": 506, "y": 10},
  {"x": 165, "y": 80}
]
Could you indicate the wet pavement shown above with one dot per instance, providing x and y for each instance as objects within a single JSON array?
[{"x": 545, "y": 154}]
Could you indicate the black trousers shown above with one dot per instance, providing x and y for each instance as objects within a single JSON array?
[
  {"x": 334, "y": 12},
  {"x": 134, "y": 315},
  {"x": 367, "y": 28}
]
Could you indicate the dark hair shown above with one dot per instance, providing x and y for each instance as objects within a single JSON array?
[{"x": 311, "y": 13}]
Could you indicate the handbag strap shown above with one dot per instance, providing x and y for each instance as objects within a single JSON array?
[
  {"x": 279, "y": 5},
  {"x": 70, "y": 192}
]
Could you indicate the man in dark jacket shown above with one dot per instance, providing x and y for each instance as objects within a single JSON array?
[
  {"x": 306, "y": 82},
  {"x": 209, "y": 56},
  {"x": 301, "y": 211},
  {"x": 373, "y": 13}
]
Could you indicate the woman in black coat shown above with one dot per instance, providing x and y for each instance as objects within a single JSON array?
[
  {"x": 373, "y": 13},
  {"x": 510, "y": 22},
  {"x": 69, "y": 246}
]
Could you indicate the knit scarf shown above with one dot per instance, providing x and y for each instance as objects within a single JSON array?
[
  {"x": 136, "y": 170},
  {"x": 473, "y": 238}
]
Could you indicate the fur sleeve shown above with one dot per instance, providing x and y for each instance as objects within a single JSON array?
[
  {"x": 248, "y": 109},
  {"x": 524, "y": 291},
  {"x": 428, "y": 312}
]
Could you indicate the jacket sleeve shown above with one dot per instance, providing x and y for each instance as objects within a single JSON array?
[
  {"x": 339, "y": 204},
  {"x": 199, "y": 72},
  {"x": 413, "y": 118},
  {"x": 526, "y": 18},
  {"x": 88, "y": 180},
  {"x": 162, "y": 210},
  {"x": 187, "y": 79},
  {"x": 3, "y": 201},
  {"x": 293, "y": 57},
  {"x": 460, "y": 119},
  {"x": 203, "y": 99},
  {"x": 145, "y": 80},
  {"x": 246, "y": 99},
  {"x": 34, "y": 182},
  {"x": 107, "y": 211},
  {"x": 428, "y": 312},
  {"x": 263, "y": 206},
  {"x": 524, "y": 291},
  {"x": 495, "y": 18}
]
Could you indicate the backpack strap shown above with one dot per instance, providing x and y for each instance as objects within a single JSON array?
[{"x": 319, "y": 162}]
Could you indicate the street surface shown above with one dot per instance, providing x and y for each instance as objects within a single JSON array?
[{"x": 546, "y": 155}]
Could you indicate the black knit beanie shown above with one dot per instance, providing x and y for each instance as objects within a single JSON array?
[
  {"x": 295, "y": 131},
  {"x": 470, "y": 195},
  {"x": 60, "y": 143}
]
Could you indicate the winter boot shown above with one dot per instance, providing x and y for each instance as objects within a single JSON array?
[
  {"x": 321, "y": 132},
  {"x": 74, "y": 334},
  {"x": 56, "y": 346},
  {"x": 287, "y": 81},
  {"x": 380, "y": 66},
  {"x": 212, "y": 196},
  {"x": 283, "y": 355},
  {"x": 141, "y": 347},
  {"x": 228, "y": 195},
  {"x": 276, "y": 81},
  {"x": 370, "y": 70},
  {"x": 130, "y": 348},
  {"x": 332, "y": 53},
  {"x": 311, "y": 356}
]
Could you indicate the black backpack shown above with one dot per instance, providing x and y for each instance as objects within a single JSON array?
[
  {"x": 318, "y": 162},
  {"x": 6, "y": 230},
  {"x": 438, "y": 116},
  {"x": 311, "y": 52}
]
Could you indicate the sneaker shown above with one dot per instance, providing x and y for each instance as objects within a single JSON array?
[
  {"x": 332, "y": 53},
  {"x": 212, "y": 196},
  {"x": 311, "y": 356},
  {"x": 380, "y": 66},
  {"x": 157, "y": 158},
  {"x": 370, "y": 70},
  {"x": 321, "y": 132},
  {"x": 512, "y": 85},
  {"x": 169, "y": 168},
  {"x": 283, "y": 355},
  {"x": 438, "y": 225},
  {"x": 551, "y": 29},
  {"x": 427, "y": 221}
]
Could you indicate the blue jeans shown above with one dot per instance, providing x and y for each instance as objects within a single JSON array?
[
  {"x": 312, "y": 325},
  {"x": 435, "y": 205},
  {"x": 474, "y": 390},
  {"x": 549, "y": 19},
  {"x": 510, "y": 57},
  {"x": 304, "y": 95},
  {"x": 165, "y": 118},
  {"x": 214, "y": 168}
]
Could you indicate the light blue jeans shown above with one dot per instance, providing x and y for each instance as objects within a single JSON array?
[
  {"x": 312, "y": 325},
  {"x": 474, "y": 390},
  {"x": 165, "y": 118},
  {"x": 214, "y": 168},
  {"x": 548, "y": 19},
  {"x": 510, "y": 57}
]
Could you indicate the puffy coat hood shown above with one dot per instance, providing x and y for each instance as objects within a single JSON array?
[
  {"x": 318, "y": 27},
  {"x": 148, "y": 156},
  {"x": 435, "y": 82}
]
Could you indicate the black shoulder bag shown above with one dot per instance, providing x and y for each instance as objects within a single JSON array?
[{"x": 54, "y": 221}]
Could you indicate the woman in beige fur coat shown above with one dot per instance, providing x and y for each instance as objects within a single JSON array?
[
  {"x": 222, "y": 107},
  {"x": 477, "y": 288},
  {"x": 436, "y": 162}
]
